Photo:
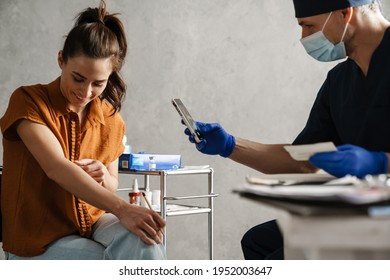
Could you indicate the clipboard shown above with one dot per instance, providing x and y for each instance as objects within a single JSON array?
[{"x": 338, "y": 196}]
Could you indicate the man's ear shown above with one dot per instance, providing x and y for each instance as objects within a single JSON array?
[
  {"x": 347, "y": 13},
  {"x": 60, "y": 59}
]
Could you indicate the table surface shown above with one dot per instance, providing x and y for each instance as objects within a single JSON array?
[{"x": 317, "y": 227}]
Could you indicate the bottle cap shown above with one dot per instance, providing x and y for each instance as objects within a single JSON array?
[
  {"x": 135, "y": 185},
  {"x": 127, "y": 149}
]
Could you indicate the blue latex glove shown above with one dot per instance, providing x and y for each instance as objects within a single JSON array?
[
  {"x": 352, "y": 160},
  {"x": 216, "y": 141}
]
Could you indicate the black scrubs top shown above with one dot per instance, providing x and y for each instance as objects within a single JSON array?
[{"x": 351, "y": 108}]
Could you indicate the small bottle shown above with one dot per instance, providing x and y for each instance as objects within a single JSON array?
[
  {"x": 127, "y": 147},
  {"x": 135, "y": 195},
  {"x": 152, "y": 163},
  {"x": 124, "y": 159},
  {"x": 156, "y": 199}
]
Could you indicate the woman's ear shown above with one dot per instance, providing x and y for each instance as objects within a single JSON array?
[{"x": 60, "y": 59}]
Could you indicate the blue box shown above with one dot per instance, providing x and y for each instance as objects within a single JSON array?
[
  {"x": 124, "y": 161},
  {"x": 140, "y": 161}
]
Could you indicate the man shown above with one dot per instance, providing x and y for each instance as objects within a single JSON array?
[{"x": 352, "y": 108}]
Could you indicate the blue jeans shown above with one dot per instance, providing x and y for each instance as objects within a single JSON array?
[{"x": 110, "y": 241}]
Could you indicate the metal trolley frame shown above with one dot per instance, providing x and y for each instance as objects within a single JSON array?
[{"x": 164, "y": 199}]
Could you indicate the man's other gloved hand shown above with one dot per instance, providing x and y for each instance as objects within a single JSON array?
[
  {"x": 352, "y": 160},
  {"x": 216, "y": 141}
]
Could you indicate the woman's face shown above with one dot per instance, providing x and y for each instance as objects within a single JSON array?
[{"x": 83, "y": 79}]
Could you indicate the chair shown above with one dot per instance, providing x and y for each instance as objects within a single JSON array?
[{"x": 1, "y": 220}]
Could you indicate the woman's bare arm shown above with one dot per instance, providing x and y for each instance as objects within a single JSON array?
[{"x": 46, "y": 149}]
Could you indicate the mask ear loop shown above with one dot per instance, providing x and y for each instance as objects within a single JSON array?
[
  {"x": 346, "y": 26},
  {"x": 326, "y": 21}
]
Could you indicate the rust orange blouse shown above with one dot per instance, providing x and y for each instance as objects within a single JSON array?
[{"x": 37, "y": 211}]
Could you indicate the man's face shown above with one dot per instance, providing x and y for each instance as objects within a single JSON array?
[{"x": 333, "y": 30}]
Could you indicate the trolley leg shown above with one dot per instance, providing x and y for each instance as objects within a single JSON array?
[
  {"x": 163, "y": 202},
  {"x": 211, "y": 222}
]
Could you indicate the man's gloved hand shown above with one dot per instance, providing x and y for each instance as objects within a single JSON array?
[
  {"x": 352, "y": 160},
  {"x": 216, "y": 141}
]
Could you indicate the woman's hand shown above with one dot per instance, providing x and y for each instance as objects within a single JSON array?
[
  {"x": 94, "y": 168},
  {"x": 105, "y": 176},
  {"x": 145, "y": 223}
]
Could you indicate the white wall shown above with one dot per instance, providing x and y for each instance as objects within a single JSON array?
[{"x": 239, "y": 63}]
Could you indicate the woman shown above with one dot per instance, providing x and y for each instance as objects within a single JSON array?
[{"x": 61, "y": 145}]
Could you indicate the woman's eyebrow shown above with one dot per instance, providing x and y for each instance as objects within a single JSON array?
[
  {"x": 81, "y": 76},
  {"x": 78, "y": 74}
]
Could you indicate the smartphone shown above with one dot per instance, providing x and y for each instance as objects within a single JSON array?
[{"x": 187, "y": 119}]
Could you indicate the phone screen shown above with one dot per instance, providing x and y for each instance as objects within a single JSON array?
[{"x": 187, "y": 119}]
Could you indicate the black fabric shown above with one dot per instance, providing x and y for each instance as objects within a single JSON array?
[
  {"x": 308, "y": 8},
  {"x": 351, "y": 108},
  {"x": 263, "y": 242}
]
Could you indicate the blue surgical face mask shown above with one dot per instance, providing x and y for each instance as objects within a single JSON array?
[{"x": 319, "y": 47}]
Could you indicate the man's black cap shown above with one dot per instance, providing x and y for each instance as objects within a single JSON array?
[{"x": 308, "y": 8}]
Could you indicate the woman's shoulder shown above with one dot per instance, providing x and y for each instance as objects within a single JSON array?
[
  {"x": 109, "y": 111},
  {"x": 30, "y": 92},
  {"x": 36, "y": 89}
]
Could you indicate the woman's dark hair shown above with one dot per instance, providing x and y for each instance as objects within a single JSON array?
[{"x": 98, "y": 34}]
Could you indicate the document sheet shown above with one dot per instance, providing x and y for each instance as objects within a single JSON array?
[{"x": 304, "y": 152}]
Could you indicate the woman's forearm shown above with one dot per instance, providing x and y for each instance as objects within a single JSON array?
[{"x": 70, "y": 177}]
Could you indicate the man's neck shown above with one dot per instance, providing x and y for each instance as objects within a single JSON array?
[{"x": 364, "y": 44}]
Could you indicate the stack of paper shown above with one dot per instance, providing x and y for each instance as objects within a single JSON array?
[
  {"x": 290, "y": 179},
  {"x": 315, "y": 187}
]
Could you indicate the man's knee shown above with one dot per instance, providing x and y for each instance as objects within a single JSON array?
[{"x": 263, "y": 241}]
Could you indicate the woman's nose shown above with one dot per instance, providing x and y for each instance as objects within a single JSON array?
[{"x": 85, "y": 91}]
